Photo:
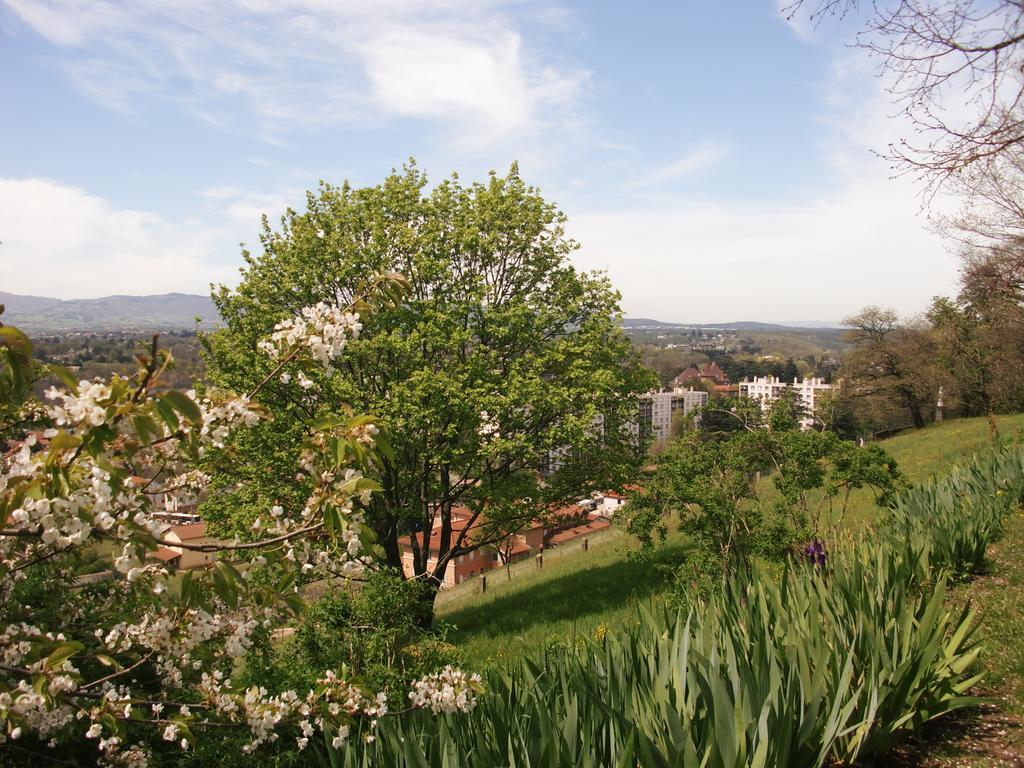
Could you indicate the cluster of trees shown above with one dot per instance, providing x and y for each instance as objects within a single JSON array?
[
  {"x": 102, "y": 354},
  {"x": 111, "y": 658},
  {"x": 967, "y": 350},
  {"x": 489, "y": 357},
  {"x": 786, "y": 370},
  {"x": 709, "y": 482},
  {"x": 391, "y": 353},
  {"x": 955, "y": 69},
  {"x": 669, "y": 363}
]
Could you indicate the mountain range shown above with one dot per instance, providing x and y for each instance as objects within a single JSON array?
[
  {"x": 739, "y": 325},
  {"x": 164, "y": 312},
  {"x": 178, "y": 311}
]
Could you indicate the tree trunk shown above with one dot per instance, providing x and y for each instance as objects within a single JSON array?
[
  {"x": 425, "y": 603},
  {"x": 916, "y": 413},
  {"x": 388, "y": 527}
]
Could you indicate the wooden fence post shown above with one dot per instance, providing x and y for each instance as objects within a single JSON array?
[
  {"x": 540, "y": 559},
  {"x": 586, "y": 544},
  {"x": 483, "y": 584}
]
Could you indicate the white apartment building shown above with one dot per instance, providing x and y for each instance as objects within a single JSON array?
[
  {"x": 767, "y": 389},
  {"x": 654, "y": 420},
  {"x": 658, "y": 408}
]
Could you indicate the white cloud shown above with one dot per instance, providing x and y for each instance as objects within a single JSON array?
[
  {"x": 699, "y": 159},
  {"x": 816, "y": 260},
  {"x": 245, "y": 208},
  {"x": 58, "y": 240},
  {"x": 865, "y": 241},
  {"x": 270, "y": 68}
]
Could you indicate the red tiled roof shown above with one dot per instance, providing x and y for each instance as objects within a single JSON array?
[
  {"x": 165, "y": 555},
  {"x": 580, "y": 530},
  {"x": 188, "y": 531},
  {"x": 519, "y": 548},
  {"x": 614, "y": 495},
  {"x": 458, "y": 526},
  {"x": 689, "y": 373},
  {"x": 460, "y": 512}
]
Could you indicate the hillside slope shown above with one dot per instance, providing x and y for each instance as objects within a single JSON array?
[{"x": 580, "y": 593}]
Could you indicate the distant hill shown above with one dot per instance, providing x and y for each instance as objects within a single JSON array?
[
  {"x": 177, "y": 311},
  {"x": 739, "y": 325},
  {"x": 169, "y": 311}
]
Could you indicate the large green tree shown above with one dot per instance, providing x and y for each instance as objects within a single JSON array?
[
  {"x": 891, "y": 371},
  {"x": 502, "y": 356}
]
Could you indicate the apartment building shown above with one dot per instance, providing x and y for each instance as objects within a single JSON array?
[
  {"x": 768, "y": 389},
  {"x": 657, "y": 409}
]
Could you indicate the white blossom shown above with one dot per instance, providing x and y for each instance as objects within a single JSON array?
[{"x": 450, "y": 690}]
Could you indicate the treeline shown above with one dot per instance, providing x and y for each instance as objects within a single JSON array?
[
  {"x": 669, "y": 363},
  {"x": 964, "y": 356},
  {"x": 786, "y": 370},
  {"x": 102, "y": 354}
]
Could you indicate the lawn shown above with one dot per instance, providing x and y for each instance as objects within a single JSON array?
[
  {"x": 920, "y": 454},
  {"x": 579, "y": 593},
  {"x": 576, "y": 593}
]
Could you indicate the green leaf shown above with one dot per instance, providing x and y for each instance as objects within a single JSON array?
[
  {"x": 146, "y": 428},
  {"x": 64, "y": 441},
  {"x": 167, "y": 413},
  {"x": 188, "y": 589},
  {"x": 61, "y": 653},
  {"x": 65, "y": 376},
  {"x": 225, "y": 583},
  {"x": 295, "y": 602},
  {"x": 185, "y": 405},
  {"x": 19, "y": 350}
]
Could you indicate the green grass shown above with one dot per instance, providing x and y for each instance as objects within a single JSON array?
[
  {"x": 920, "y": 454},
  {"x": 934, "y": 449},
  {"x": 576, "y": 594},
  {"x": 1000, "y": 596},
  {"x": 579, "y": 593}
]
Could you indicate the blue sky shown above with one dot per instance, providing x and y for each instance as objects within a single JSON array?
[{"x": 712, "y": 156}]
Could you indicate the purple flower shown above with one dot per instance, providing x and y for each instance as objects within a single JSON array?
[{"x": 815, "y": 552}]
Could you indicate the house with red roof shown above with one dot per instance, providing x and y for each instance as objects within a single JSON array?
[
  {"x": 711, "y": 374},
  {"x": 177, "y": 556},
  {"x": 461, "y": 567},
  {"x": 689, "y": 376},
  {"x": 563, "y": 525}
]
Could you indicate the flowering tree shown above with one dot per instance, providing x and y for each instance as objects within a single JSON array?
[{"x": 143, "y": 658}]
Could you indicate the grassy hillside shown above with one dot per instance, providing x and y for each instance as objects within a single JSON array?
[
  {"x": 923, "y": 453},
  {"x": 575, "y": 594},
  {"x": 579, "y": 593}
]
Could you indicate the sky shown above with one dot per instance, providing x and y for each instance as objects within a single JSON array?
[{"x": 714, "y": 158}]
